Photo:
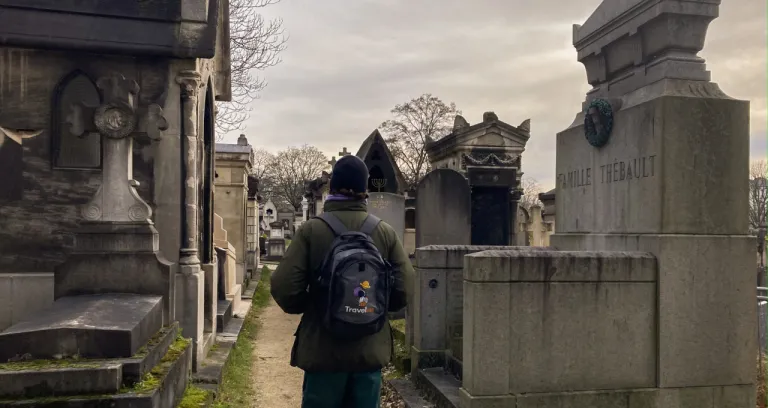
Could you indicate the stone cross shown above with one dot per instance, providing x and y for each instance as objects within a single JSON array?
[
  {"x": 344, "y": 152},
  {"x": 117, "y": 120},
  {"x": 332, "y": 162}
]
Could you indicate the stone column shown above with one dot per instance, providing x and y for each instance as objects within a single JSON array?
[
  {"x": 190, "y": 281},
  {"x": 190, "y": 82}
]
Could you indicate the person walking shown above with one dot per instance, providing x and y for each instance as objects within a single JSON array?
[{"x": 344, "y": 272}]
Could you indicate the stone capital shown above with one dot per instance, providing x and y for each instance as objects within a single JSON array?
[{"x": 190, "y": 82}]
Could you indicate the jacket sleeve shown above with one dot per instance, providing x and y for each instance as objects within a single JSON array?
[
  {"x": 402, "y": 293},
  {"x": 290, "y": 280}
]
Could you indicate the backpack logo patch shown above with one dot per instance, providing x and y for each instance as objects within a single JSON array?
[{"x": 361, "y": 294}]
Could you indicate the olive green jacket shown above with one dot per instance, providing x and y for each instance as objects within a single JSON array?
[{"x": 314, "y": 350}]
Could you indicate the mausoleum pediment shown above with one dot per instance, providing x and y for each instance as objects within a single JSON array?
[{"x": 489, "y": 135}]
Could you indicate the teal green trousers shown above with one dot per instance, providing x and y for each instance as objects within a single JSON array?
[{"x": 342, "y": 390}]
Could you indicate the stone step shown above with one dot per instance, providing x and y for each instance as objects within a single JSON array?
[
  {"x": 23, "y": 380},
  {"x": 112, "y": 325},
  {"x": 439, "y": 387},
  {"x": 410, "y": 395},
  {"x": 167, "y": 393},
  {"x": 149, "y": 355},
  {"x": 44, "y": 378},
  {"x": 223, "y": 314}
]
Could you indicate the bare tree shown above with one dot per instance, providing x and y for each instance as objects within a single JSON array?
[
  {"x": 262, "y": 159},
  {"x": 415, "y": 122},
  {"x": 758, "y": 172},
  {"x": 291, "y": 168},
  {"x": 255, "y": 44},
  {"x": 531, "y": 190}
]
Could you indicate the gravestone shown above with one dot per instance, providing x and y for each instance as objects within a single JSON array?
[
  {"x": 443, "y": 209},
  {"x": 390, "y": 208}
]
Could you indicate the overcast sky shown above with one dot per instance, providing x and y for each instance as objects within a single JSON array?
[{"x": 348, "y": 62}]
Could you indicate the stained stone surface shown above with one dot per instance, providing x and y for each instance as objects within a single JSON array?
[
  {"x": 89, "y": 326},
  {"x": 390, "y": 208},
  {"x": 443, "y": 209}
]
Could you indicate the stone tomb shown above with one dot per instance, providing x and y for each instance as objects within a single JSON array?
[
  {"x": 649, "y": 299},
  {"x": 489, "y": 155},
  {"x": 114, "y": 293},
  {"x": 275, "y": 242}
]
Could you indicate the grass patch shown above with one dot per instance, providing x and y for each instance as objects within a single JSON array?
[
  {"x": 195, "y": 397},
  {"x": 35, "y": 365},
  {"x": 398, "y": 324},
  {"x": 236, "y": 390}
]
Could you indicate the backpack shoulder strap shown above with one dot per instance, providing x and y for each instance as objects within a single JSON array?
[
  {"x": 370, "y": 224},
  {"x": 333, "y": 223}
]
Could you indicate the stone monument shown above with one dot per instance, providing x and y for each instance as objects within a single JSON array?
[
  {"x": 649, "y": 297},
  {"x": 114, "y": 293},
  {"x": 275, "y": 242}
]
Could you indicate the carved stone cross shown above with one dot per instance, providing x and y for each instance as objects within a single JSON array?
[
  {"x": 117, "y": 120},
  {"x": 344, "y": 152},
  {"x": 332, "y": 162}
]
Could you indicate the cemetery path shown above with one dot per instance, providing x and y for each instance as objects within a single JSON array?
[{"x": 277, "y": 384}]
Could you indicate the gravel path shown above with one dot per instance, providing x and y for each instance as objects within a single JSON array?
[{"x": 277, "y": 384}]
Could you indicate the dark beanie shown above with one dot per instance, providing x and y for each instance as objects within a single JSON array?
[{"x": 350, "y": 173}]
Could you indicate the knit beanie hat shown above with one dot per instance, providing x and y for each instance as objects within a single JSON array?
[{"x": 350, "y": 173}]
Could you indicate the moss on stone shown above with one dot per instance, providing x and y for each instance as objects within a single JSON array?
[
  {"x": 154, "y": 377},
  {"x": 154, "y": 341},
  {"x": 195, "y": 397},
  {"x": 36, "y": 365}
]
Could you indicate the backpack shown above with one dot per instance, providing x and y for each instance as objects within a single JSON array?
[{"x": 353, "y": 284}]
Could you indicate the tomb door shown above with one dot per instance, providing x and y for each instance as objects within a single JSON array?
[{"x": 490, "y": 216}]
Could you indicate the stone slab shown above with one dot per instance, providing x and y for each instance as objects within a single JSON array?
[
  {"x": 390, "y": 208},
  {"x": 707, "y": 307},
  {"x": 97, "y": 378},
  {"x": 89, "y": 326},
  {"x": 443, "y": 209},
  {"x": 547, "y": 265}
]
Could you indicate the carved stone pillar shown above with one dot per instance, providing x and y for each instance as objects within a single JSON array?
[{"x": 190, "y": 82}]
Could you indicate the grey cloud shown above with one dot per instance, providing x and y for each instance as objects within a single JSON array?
[{"x": 349, "y": 62}]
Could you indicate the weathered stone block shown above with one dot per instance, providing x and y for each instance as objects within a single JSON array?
[
  {"x": 522, "y": 326},
  {"x": 429, "y": 323},
  {"x": 707, "y": 311},
  {"x": 104, "y": 378},
  {"x": 90, "y": 326},
  {"x": 673, "y": 143},
  {"x": 486, "y": 364}
]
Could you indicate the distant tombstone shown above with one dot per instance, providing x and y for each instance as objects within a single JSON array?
[
  {"x": 390, "y": 208},
  {"x": 443, "y": 209}
]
